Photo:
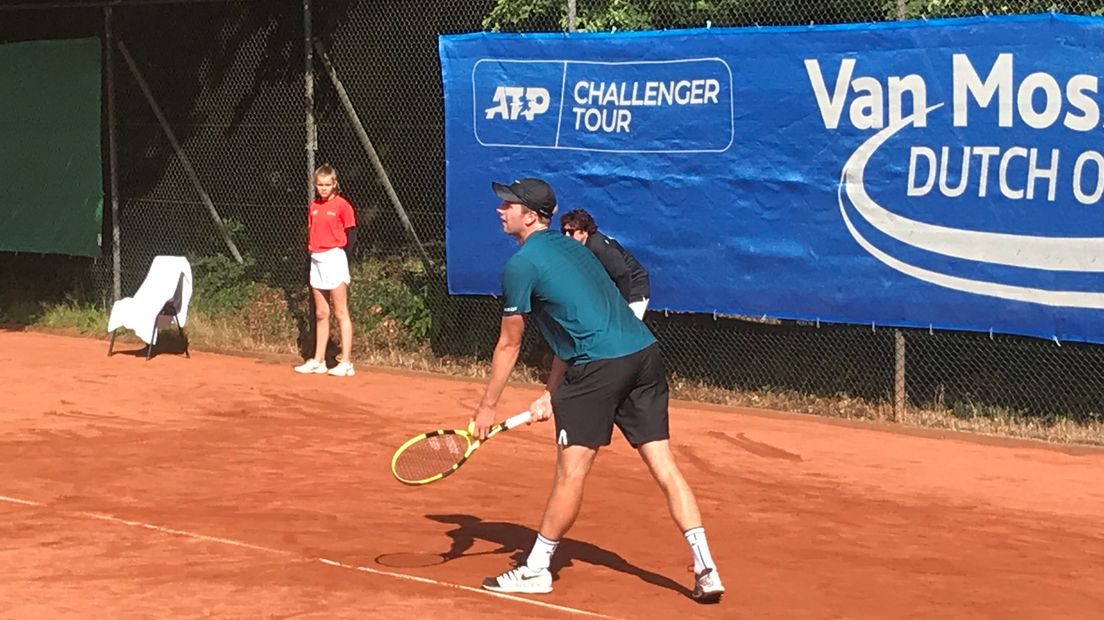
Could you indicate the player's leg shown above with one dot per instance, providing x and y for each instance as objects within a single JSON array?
[
  {"x": 573, "y": 464},
  {"x": 340, "y": 297},
  {"x": 572, "y": 467},
  {"x": 681, "y": 502},
  {"x": 317, "y": 363},
  {"x": 583, "y": 406},
  {"x": 684, "y": 510},
  {"x": 533, "y": 576},
  {"x": 643, "y": 418}
]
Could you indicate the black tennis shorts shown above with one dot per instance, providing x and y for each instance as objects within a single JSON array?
[{"x": 629, "y": 392}]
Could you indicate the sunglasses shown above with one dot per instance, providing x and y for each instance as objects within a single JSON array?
[{"x": 570, "y": 232}]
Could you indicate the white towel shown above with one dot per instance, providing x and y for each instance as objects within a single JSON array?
[{"x": 169, "y": 279}]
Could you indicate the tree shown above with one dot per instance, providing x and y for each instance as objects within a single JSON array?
[{"x": 602, "y": 15}]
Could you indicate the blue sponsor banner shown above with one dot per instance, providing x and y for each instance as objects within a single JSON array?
[{"x": 942, "y": 173}]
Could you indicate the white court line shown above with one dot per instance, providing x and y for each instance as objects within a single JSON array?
[
  {"x": 365, "y": 569},
  {"x": 149, "y": 526},
  {"x": 465, "y": 588},
  {"x": 19, "y": 501}
]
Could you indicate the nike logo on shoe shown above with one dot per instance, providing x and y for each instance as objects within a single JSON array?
[{"x": 520, "y": 580}]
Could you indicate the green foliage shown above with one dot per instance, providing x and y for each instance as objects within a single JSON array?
[
  {"x": 16, "y": 311},
  {"x": 221, "y": 284},
  {"x": 601, "y": 15},
  {"x": 387, "y": 294},
  {"x": 87, "y": 319},
  {"x": 30, "y": 283},
  {"x": 622, "y": 15},
  {"x": 962, "y": 8},
  {"x": 606, "y": 15},
  {"x": 522, "y": 14}
]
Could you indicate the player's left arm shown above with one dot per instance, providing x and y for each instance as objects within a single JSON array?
[
  {"x": 542, "y": 407},
  {"x": 349, "y": 223},
  {"x": 616, "y": 266},
  {"x": 350, "y": 241}
]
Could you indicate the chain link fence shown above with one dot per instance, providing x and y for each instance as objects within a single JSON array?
[{"x": 226, "y": 81}]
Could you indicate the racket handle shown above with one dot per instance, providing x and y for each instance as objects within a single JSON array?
[{"x": 516, "y": 420}]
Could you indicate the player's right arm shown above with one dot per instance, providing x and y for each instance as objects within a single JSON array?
[
  {"x": 518, "y": 278},
  {"x": 502, "y": 364}
]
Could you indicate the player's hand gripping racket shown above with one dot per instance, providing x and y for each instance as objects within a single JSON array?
[{"x": 431, "y": 456}]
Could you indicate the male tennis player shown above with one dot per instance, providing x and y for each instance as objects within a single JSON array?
[{"x": 607, "y": 372}]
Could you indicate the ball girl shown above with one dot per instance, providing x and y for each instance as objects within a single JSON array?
[{"x": 331, "y": 237}]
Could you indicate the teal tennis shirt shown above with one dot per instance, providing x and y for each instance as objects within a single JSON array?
[{"x": 574, "y": 303}]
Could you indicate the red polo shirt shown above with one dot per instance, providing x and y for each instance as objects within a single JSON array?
[{"x": 327, "y": 223}]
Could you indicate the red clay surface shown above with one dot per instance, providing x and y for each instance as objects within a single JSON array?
[{"x": 212, "y": 486}]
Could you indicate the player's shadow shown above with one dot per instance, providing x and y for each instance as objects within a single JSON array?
[{"x": 516, "y": 540}]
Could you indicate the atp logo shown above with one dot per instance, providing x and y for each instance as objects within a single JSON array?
[{"x": 518, "y": 101}]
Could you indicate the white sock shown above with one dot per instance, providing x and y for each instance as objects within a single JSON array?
[
  {"x": 699, "y": 548},
  {"x": 540, "y": 558}
]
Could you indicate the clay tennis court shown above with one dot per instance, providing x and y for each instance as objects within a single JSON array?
[{"x": 230, "y": 487}]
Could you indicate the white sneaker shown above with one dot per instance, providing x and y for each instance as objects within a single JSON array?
[
  {"x": 311, "y": 367},
  {"x": 521, "y": 580},
  {"x": 344, "y": 369},
  {"x": 707, "y": 586}
]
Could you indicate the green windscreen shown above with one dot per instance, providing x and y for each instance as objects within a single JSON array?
[{"x": 51, "y": 178}]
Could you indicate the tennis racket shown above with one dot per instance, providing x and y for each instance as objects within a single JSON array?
[{"x": 431, "y": 456}]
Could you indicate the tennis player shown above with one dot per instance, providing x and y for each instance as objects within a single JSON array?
[
  {"x": 607, "y": 372},
  {"x": 331, "y": 235}
]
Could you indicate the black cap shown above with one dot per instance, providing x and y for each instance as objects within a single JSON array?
[{"x": 533, "y": 193}]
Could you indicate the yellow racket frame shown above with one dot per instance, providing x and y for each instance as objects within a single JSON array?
[{"x": 468, "y": 434}]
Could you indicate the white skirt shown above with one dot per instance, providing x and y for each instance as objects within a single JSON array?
[{"x": 329, "y": 269}]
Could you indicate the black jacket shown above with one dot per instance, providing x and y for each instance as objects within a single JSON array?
[{"x": 629, "y": 276}]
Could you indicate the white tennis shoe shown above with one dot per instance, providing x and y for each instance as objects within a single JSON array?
[
  {"x": 521, "y": 580},
  {"x": 344, "y": 369},
  {"x": 311, "y": 367},
  {"x": 707, "y": 586}
]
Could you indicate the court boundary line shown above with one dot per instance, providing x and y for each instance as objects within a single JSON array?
[{"x": 328, "y": 562}]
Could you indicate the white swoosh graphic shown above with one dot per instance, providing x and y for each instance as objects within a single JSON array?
[
  {"x": 953, "y": 242},
  {"x": 1081, "y": 254}
]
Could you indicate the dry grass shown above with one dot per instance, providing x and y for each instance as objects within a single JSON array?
[
  {"x": 996, "y": 422},
  {"x": 264, "y": 325},
  {"x": 1062, "y": 430}
]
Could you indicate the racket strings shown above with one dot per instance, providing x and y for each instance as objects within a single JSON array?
[{"x": 431, "y": 456}]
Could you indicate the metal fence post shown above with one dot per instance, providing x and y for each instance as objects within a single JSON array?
[
  {"x": 571, "y": 16},
  {"x": 308, "y": 88},
  {"x": 900, "y": 393},
  {"x": 112, "y": 160}
]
